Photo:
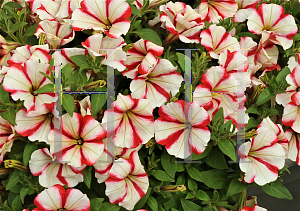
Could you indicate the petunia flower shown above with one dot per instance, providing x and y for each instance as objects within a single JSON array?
[
  {"x": 81, "y": 140},
  {"x": 142, "y": 58},
  {"x": 23, "y": 82},
  {"x": 3, "y": 72},
  {"x": 245, "y": 8},
  {"x": 181, "y": 21},
  {"x": 262, "y": 157},
  {"x": 133, "y": 121},
  {"x": 214, "y": 10},
  {"x": 216, "y": 91},
  {"x": 24, "y": 53},
  {"x": 292, "y": 63},
  {"x": 178, "y": 123},
  {"x": 127, "y": 182},
  {"x": 106, "y": 161},
  {"x": 50, "y": 173},
  {"x": 271, "y": 22},
  {"x": 7, "y": 137},
  {"x": 111, "y": 17},
  {"x": 108, "y": 47},
  {"x": 291, "y": 113},
  {"x": 37, "y": 124},
  {"x": 293, "y": 79},
  {"x": 57, "y": 33},
  {"x": 216, "y": 40},
  {"x": 66, "y": 53},
  {"x": 293, "y": 152},
  {"x": 157, "y": 84},
  {"x": 57, "y": 198}
]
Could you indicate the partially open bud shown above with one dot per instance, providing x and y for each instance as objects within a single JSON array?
[
  {"x": 15, "y": 164},
  {"x": 150, "y": 143},
  {"x": 173, "y": 188},
  {"x": 5, "y": 171},
  {"x": 95, "y": 84},
  {"x": 127, "y": 47}
]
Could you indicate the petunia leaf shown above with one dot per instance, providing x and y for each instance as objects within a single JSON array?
[
  {"x": 168, "y": 163},
  {"x": 87, "y": 176},
  {"x": 68, "y": 103},
  {"x": 96, "y": 204},
  {"x": 264, "y": 96},
  {"x": 106, "y": 206},
  {"x": 152, "y": 203},
  {"x": 9, "y": 115},
  {"x": 161, "y": 175},
  {"x": 227, "y": 148},
  {"x": 148, "y": 34},
  {"x": 189, "y": 206},
  {"x": 29, "y": 149},
  {"x": 194, "y": 174},
  {"x": 277, "y": 190},
  {"x": 14, "y": 179},
  {"x": 25, "y": 191},
  {"x": 236, "y": 186},
  {"x": 97, "y": 102},
  {"x": 45, "y": 89}
]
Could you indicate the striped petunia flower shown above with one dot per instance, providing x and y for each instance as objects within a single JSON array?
[
  {"x": 57, "y": 198},
  {"x": 291, "y": 113},
  {"x": 271, "y": 22},
  {"x": 23, "y": 82},
  {"x": 50, "y": 173},
  {"x": 262, "y": 157},
  {"x": 245, "y": 8},
  {"x": 178, "y": 123},
  {"x": 293, "y": 152},
  {"x": 141, "y": 58},
  {"x": 128, "y": 181},
  {"x": 216, "y": 40},
  {"x": 133, "y": 121},
  {"x": 157, "y": 84},
  {"x": 111, "y": 17},
  {"x": 81, "y": 140}
]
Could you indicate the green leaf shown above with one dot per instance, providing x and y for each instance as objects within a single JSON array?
[
  {"x": 17, "y": 188},
  {"x": 297, "y": 36},
  {"x": 87, "y": 176},
  {"x": 9, "y": 115},
  {"x": 135, "y": 11},
  {"x": 143, "y": 200},
  {"x": 24, "y": 191},
  {"x": 79, "y": 59},
  {"x": 253, "y": 110},
  {"x": 96, "y": 204},
  {"x": 202, "y": 195},
  {"x": 13, "y": 5},
  {"x": 203, "y": 154},
  {"x": 282, "y": 74},
  {"x": 192, "y": 185},
  {"x": 130, "y": 1},
  {"x": 97, "y": 102},
  {"x": 194, "y": 174},
  {"x": 68, "y": 103},
  {"x": 31, "y": 30},
  {"x": 181, "y": 179},
  {"x": 29, "y": 149},
  {"x": 16, "y": 204},
  {"x": 145, "y": 5},
  {"x": 148, "y": 34},
  {"x": 216, "y": 160},
  {"x": 251, "y": 123},
  {"x": 236, "y": 186},
  {"x": 6, "y": 207},
  {"x": 161, "y": 175},
  {"x": 215, "y": 178},
  {"x": 189, "y": 206},
  {"x": 16, "y": 27},
  {"x": 168, "y": 163},
  {"x": 46, "y": 88},
  {"x": 218, "y": 117},
  {"x": 264, "y": 97},
  {"x": 4, "y": 95},
  {"x": 14, "y": 179},
  {"x": 152, "y": 203},
  {"x": 227, "y": 148},
  {"x": 181, "y": 60},
  {"x": 106, "y": 206},
  {"x": 277, "y": 190}
]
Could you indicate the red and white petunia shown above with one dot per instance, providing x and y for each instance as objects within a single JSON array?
[
  {"x": 81, "y": 140},
  {"x": 108, "y": 47},
  {"x": 57, "y": 33},
  {"x": 182, "y": 21},
  {"x": 214, "y": 10},
  {"x": 277, "y": 128},
  {"x": 216, "y": 40},
  {"x": 294, "y": 80},
  {"x": 106, "y": 161},
  {"x": 50, "y": 173},
  {"x": 127, "y": 182},
  {"x": 111, "y": 17},
  {"x": 157, "y": 84},
  {"x": 291, "y": 113},
  {"x": 57, "y": 9},
  {"x": 294, "y": 146},
  {"x": 251, "y": 205},
  {"x": 66, "y": 53},
  {"x": 245, "y": 8},
  {"x": 7, "y": 137},
  {"x": 216, "y": 91},
  {"x": 3, "y": 71},
  {"x": 5, "y": 49},
  {"x": 24, "y": 53},
  {"x": 133, "y": 121},
  {"x": 140, "y": 3},
  {"x": 271, "y": 22},
  {"x": 142, "y": 58},
  {"x": 37, "y": 124},
  {"x": 179, "y": 123},
  {"x": 292, "y": 63},
  {"x": 262, "y": 157},
  {"x": 57, "y": 198},
  {"x": 85, "y": 106},
  {"x": 239, "y": 117},
  {"x": 23, "y": 81}
]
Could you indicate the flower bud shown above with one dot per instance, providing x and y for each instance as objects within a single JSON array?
[
  {"x": 150, "y": 143},
  {"x": 4, "y": 170},
  {"x": 99, "y": 83},
  {"x": 15, "y": 164},
  {"x": 173, "y": 188}
]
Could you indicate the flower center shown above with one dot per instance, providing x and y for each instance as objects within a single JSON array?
[
  {"x": 62, "y": 209},
  {"x": 50, "y": 115},
  {"x": 298, "y": 89},
  {"x": 188, "y": 125},
  {"x": 258, "y": 73},
  {"x": 80, "y": 141}
]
